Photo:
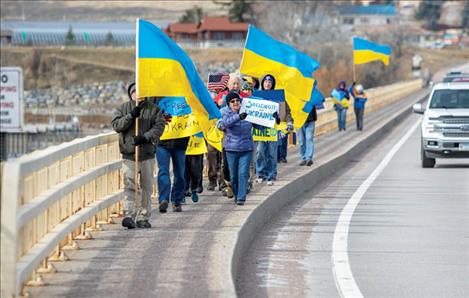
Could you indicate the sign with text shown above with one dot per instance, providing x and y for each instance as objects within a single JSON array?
[
  {"x": 274, "y": 95},
  {"x": 183, "y": 123},
  {"x": 259, "y": 111},
  {"x": 11, "y": 99}
]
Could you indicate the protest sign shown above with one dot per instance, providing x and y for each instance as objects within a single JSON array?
[
  {"x": 196, "y": 145},
  {"x": 276, "y": 96},
  {"x": 183, "y": 123},
  {"x": 259, "y": 111},
  {"x": 264, "y": 134}
]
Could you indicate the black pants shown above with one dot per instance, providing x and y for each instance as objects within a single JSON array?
[
  {"x": 226, "y": 168},
  {"x": 193, "y": 173},
  {"x": 359, "y": 117}
]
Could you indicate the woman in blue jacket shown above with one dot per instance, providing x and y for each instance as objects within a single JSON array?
[{"x": 238, "y": 144}]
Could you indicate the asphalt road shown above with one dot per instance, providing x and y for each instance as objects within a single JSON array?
[{"x": 408, "y": 234}]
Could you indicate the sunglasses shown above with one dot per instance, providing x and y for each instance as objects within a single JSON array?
[{"x": 234, "y": 100}]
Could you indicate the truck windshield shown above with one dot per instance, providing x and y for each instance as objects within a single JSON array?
[{"x": 450, "y": 99}]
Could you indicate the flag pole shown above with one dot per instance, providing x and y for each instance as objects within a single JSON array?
[
  {"x": 136, "y": 178},
  {"x": 353, "y": 61}
]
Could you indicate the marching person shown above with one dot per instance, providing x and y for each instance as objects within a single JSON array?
[
  {"x": 218, "y": 170},
  {"x": 238, "y": 144},
  {"x": 306, "y": 138},
  {"x": 341, "y": 106},
  {"x": 266, "y": 163},
  {"x": 151, "y": 127},
  {"x": 359, "y": 100}
]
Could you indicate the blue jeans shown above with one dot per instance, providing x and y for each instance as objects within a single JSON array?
[
  {"x": 266, "y": 163},
  {"x": 239, "y": 172},
  {"x": 342, "y": 118},
  {"x": 163, "y": 156},
  {"x": 306, "y": 140},
  {"x": 282, "y": 148}
]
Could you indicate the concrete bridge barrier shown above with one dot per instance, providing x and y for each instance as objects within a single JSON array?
[{"x": 51, "y": 197}]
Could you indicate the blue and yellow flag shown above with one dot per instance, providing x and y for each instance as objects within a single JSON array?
[
  {"x": 365, "y": 51},
  {"x": 292, "y": 69},
  {"x": 316, "y": 100},
  {"x": 164, "y": 69}
]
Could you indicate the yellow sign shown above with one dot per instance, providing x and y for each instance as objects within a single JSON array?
[
  {"x": 196, "y": 146},
  {"x": 180, "y": 127},
  {"x": 215, "y": 137},
  {"x": 265, "y": 135}
]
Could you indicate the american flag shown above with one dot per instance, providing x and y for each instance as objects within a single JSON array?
[{"x": 217, "y": 82}]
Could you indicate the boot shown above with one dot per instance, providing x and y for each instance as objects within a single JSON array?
[{"x": 229, "y": 191}]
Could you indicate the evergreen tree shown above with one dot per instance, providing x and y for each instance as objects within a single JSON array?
[
  {"x": 238, "y": 10},
  {"x": 193, "y": 15},
  {"x": 430, "y": 11},
  {"x": 109, "y": 41},
  {"x": 465, "y": 16},
  {"x": 70, "y": 38}
]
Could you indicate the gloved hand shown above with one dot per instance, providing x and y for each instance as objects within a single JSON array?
[
  {"x": 167, "y": 117},
  {"x": 140, "y": 140},
  {"x": 136, "y": 112},
  {"x": 276, "y": 117},
  {"x": 243, "y": 116},
  {"x": 290, "y": 127}
]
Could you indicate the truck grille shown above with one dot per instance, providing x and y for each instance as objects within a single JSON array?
[
  {"x": 456, "y": 134},
  {"x": 455, "y": 120}
]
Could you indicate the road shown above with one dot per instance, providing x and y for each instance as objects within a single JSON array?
[{"x": 408, "y": 234}]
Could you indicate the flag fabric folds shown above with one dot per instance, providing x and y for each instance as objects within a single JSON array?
[
  {"x": 164, "y": 69},
  {"x": 316, "y": 100},
  {"x": 365, "y": 51},
  {"x": 292, "y": 69}
]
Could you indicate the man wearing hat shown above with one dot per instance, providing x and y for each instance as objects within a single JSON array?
[{"x": 151, "y": 127}]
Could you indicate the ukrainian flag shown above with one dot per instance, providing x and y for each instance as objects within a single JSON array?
[
  {"x": 164, "y": 69},
  {"x": 365, "y": 51},
  {"x": 293, "y": 70},
  {"x": 316, "y": 99}
]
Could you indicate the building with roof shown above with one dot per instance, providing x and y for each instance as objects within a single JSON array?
[
  {"x": 210, "y": 29},
  {"x": 350, "y": 16}
]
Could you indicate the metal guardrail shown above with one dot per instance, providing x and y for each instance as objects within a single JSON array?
[{"x": 51, "y": 197}]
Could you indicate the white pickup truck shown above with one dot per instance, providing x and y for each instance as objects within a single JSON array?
[{"x": 445, "y": 125}]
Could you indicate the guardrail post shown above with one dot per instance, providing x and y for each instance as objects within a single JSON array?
[{"x": 9, "y": 232}]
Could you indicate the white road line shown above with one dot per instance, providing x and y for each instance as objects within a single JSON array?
[{"x": 344, "y": 280}]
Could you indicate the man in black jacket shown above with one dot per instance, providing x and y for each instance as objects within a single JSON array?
[{"x": 151, "y": 127}]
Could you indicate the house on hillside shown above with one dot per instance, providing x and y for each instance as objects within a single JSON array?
[
  {"x": 211, "y": 31},
  {"x": 371, "y": 15}
]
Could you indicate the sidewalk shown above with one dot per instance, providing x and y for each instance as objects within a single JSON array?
[{"x": 185, "y": 254}]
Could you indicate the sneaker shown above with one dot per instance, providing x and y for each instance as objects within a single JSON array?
[
  {"x": 250, "y": 186},
  {"x": 194, "y": 197},
  {"x": 183, "y": 201},
  {"x": 240, "y": 203},
  {"x": 303, "y": 163},
  {"x": 200, "y": 189},
  {"x": 309, "y": 162},
  {"x": 128, "y": 223},
  {"x": 143, "y": 224},
  {"x": 187, "y": 193},
  {"x": 163, "y": 206},
  {"x": 229, "y": 192},
  {"x": 211, "y": 186},
  {"x": 177, "y": 207},
  {"x": 283, "y": 161},
  {"x": 270, "y": 183},
  {"x": 259, "y": 180}
]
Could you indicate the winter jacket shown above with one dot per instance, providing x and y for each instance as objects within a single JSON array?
[
  {"x": 358, "y": 99},
  {"x": 238, "y": 136},
  {"x": 312, "y": 116},
  {"x": 178, "y": 144},
  {"x": 151, "y": 125}
]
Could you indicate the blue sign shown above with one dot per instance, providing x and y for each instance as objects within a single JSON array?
[
  {"x": 272, "y": 95},
  {"x": 176, "y": 106}
]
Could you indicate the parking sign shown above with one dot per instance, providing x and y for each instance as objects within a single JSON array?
[{"x": 11, "y": 99}]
